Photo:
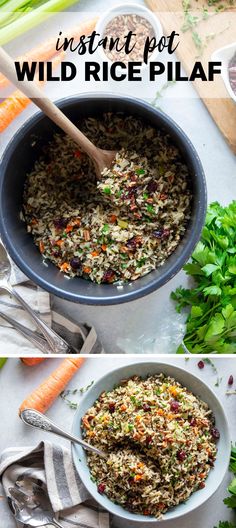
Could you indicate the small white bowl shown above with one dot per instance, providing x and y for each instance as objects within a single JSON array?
[
  {"x": 197, "y": 387},
  {"x": 127, "y": 9},
  {"x": 224, "y": 55}
]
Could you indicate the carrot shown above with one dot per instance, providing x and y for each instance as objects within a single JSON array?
[
  {"x": 31, "y": 362},
  {"x": 47, "y": 49},
  {"x": 86, "y": 269},
  {"x": 44, "y": 396},
  {"x": 41, "y": 246},
  {"x": 113, "y": 218},
  {"x": 65, "y": 266},
  {"x": 17, "y": 102}
]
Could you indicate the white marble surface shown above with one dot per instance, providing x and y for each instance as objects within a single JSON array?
[
  {"x": 17, "y": 380},
  {"x": 150, "y": 324}
]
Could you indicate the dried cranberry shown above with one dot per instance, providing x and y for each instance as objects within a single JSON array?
[
  {"x": 201, "y": 364},
  {"x": 101, "y": 488},
  {"x": 166, "y": 233},
  {"x": 149, "y": 440},
  {"x": 109, "y": 276},
  {"x": 56, "y": 254},
  {"x": 174, "y": 406},
  {"x": 131, "y": 192},
  {"x": 59, "y": 223},
  {"x": 181, "y": 455},
  {"x": 230, "y": 380},
  {"x": 146, "y": 407},
  {"x": 132, "y": 243},
  {"x": 152, "y": 186},
  {"x": 161, "y": 233},
  {"x": 215, "y": 433},
  {"x": 112, "y": 407},
  {"x": 158, "y": 233},
  {"x": 75, "y": 263},
  {"x": 201, "y": 485}
]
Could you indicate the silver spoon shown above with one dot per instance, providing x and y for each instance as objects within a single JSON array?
[
  {"x": 40, "y": 421},
  {"x": 29, "y": 510},
  {"x": 56, "y": 343}
]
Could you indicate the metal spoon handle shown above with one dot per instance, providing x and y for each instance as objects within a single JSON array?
[
  {"x": 33, "y": 337},
  {"x": 55, "y": 523},
  {"x": 39, "y": 421},
  {"x": 56, "y": 343}
]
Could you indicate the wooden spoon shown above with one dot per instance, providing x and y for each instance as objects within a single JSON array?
[{"x": 101, "y": 158}]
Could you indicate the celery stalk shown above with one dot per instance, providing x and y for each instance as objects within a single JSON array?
[
  {"x": 2, "y": 362},
  {"x": 32, "y": 19}
]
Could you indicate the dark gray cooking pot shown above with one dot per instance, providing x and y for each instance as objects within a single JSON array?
[{"x": 18, "y": 160}]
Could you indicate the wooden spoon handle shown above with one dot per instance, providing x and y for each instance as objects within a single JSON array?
[{"x": 33, "y": 92}]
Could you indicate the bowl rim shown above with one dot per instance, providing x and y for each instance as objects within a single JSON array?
[
  {"x": 154, "y": 282},
  {"x": 161, "y": 365},
  {"x": 114, "y": 11}
]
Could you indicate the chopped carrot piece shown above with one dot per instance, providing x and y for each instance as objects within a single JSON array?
[
  {"x": 69, "y": 228},
  {"x": 138, "y": 477},
  {"x": 41, "y": 246},
  {"x": 140, "y": 464},
  {"x": 59, "y": 242},
  {"x": 113, "y": 219},
  {"x": 160, "y": 412},
  {"x": 123, "y": 407},
  {"x": 86, "y": 269},
  {"x": 95, "y": 253},
  {"x": 65, "y": 266},
  {"x": 104, "y": 247},
  {"x": 170, "y": 416}
]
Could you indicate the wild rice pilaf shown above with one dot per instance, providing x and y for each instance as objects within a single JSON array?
[
  {"x": 126, "y": 225},
  {"x": 161, "y": 441}
]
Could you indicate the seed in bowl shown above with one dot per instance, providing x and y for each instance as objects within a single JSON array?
[
  {"x": 119, "y": 27},
  {"x": 160, "y": 439},
  {"x": 118, "y": 229}
]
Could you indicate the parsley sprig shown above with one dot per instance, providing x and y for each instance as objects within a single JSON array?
[{"x": 211, "y": 323}]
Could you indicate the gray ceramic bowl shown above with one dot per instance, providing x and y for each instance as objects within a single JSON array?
[
  {"x": 198, "y": 388},
  {"x": 18, "y": 160}
]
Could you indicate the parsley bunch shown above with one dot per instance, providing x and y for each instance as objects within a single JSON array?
[
  {"x": 231, "y": 500},
  {"x": 211, "y": 323}
]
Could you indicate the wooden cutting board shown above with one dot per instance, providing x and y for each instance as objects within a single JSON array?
[{"x": 222, "y": 27}]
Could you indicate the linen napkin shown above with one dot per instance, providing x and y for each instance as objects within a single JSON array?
[
  {"x": 82, "y": 336},
  {"x": 51, "y": 466}
]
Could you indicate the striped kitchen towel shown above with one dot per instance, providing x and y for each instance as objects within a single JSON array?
[
  {"x": 80, "y": 335},
  {"x": 51, "y": 467}
]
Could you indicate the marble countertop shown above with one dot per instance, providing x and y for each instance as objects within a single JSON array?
[
  {"x": 17, "y": 380},
  {"x": 150, "y": 324}
]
